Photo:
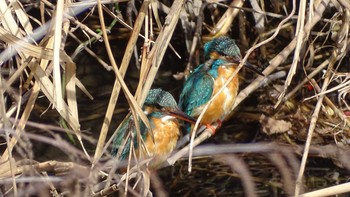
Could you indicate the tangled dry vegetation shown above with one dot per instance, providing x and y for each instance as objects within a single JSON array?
[{"x": 59, "y": 110}]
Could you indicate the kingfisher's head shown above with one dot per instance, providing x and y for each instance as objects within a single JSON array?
[
  {"x": 225, "y": 48},
  {"x": 221, "y": 46},
  {"x": 162, "y": 101}
]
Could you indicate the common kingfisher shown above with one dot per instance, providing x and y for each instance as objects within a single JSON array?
[
  {"x": 222, "y": 57},
  {"x": 162, "y": 111}
]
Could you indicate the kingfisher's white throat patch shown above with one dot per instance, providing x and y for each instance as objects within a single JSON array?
[{"x": 166, "y": 118}]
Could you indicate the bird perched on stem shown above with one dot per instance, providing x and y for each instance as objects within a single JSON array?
[
  {"x": 162, "y": 112},
  {"x": 222, "y": 57}
]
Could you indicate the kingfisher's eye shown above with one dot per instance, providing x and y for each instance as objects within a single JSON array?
[{"x": 221, "y": 53}]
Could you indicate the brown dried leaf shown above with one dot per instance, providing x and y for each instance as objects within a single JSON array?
[{"x": 272, "y": 126}]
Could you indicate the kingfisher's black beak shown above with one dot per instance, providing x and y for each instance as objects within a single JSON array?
[
  {"x": 182, "y": 115},
  {"x": 246, "y": 64},
  {"x": 252, "y": 68}
]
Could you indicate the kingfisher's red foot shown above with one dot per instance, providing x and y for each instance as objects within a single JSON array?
[{"x": 213, "y": 129}]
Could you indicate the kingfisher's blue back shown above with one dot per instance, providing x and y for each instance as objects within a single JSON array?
[{"x": 199, "y": 86}]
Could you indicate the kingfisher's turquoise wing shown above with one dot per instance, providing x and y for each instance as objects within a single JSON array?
[
  {"x": 126, "y": 126},
  {"x": 122, "y": 134},
  {"x": 197, "y": 91}
]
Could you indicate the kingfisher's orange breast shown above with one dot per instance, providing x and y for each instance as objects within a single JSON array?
[
  {"x": 166, "y": 132},
  {"x": 222, "y": 104}
]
